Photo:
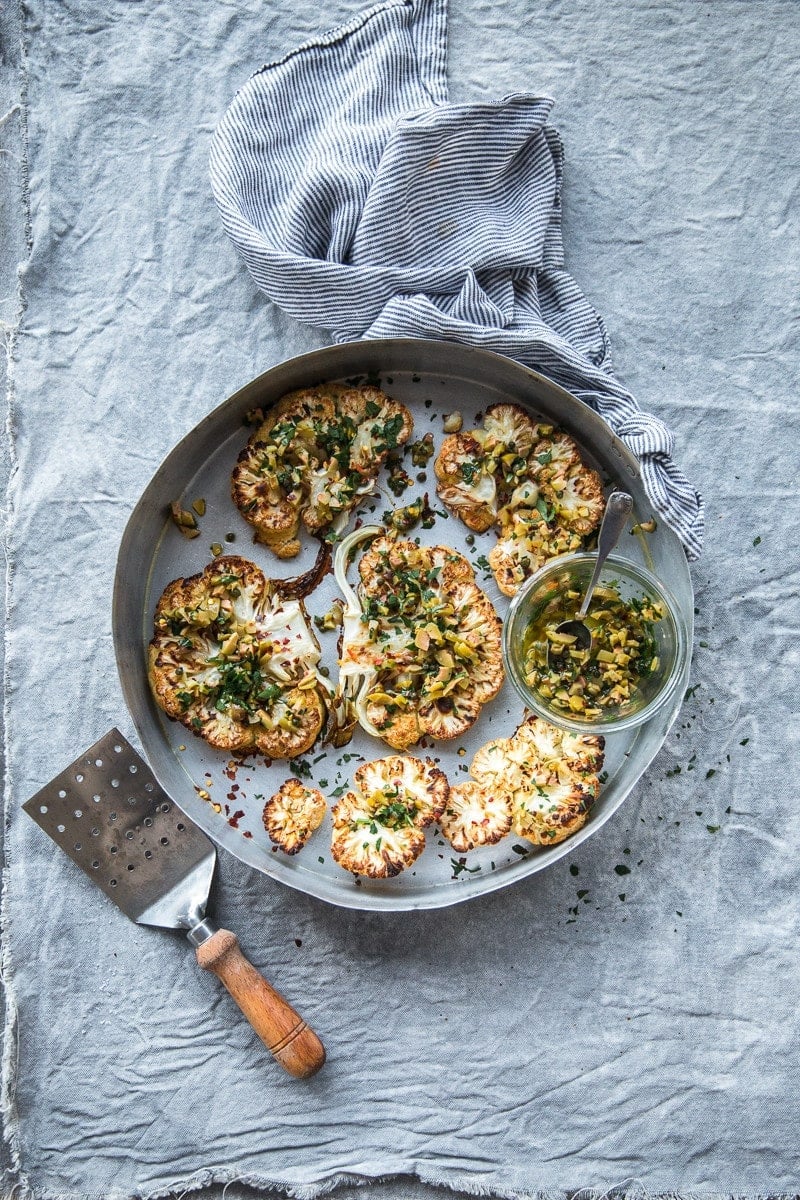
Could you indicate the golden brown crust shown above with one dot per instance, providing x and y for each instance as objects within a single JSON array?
[
  {"x": 378, "y": 827},
  {"x": 548, "y": 776},
  {"x": 292, "y": 814},
  {"x": 529, "y": 481},
  {"x": 312, "y": 458},
  {"x": 235, "y": 662}
]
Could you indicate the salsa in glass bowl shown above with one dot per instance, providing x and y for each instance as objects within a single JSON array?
[{"x": 638, "y": 649}]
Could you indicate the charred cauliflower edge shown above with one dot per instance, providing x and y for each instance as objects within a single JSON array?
[
  {"x": 378, "y": 827},
  {"x": 236, "y": 662},
  {"x": 541, "y": 783},
  {"x": 293, "y": 814},
  {"x": 420, "y": 650},
  {"x": 528, "y": 481},
  {"x": 315, "y": 455}
]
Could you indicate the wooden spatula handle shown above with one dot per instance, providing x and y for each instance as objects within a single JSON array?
[{"x": 283, "y": 1031}]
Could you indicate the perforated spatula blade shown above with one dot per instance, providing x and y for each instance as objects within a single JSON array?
[{"x": 109, "y": 814}]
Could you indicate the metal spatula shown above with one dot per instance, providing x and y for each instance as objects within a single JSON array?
[{"x": 107, "y": 812}]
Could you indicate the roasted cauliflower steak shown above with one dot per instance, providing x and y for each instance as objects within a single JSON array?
[
  {"x": 420, "y": 652},
  {"x": 528, "y": 481},
  {"x": 315, "y": 455},
  {"x": 378, "y": 827},
  {"x": 549, "y": 778},
  {"x": 293, "y": 814},
  {"x": 236, "y": 662}
]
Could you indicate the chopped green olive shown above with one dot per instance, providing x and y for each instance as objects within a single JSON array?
[{"x": 582, "y": 683}]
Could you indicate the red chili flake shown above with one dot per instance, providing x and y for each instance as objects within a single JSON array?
[
  {"x": 236, "y": 818},
  {"x": 247, "y": 833}
]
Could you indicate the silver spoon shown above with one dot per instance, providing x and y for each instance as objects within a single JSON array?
[{"x": 618, "y": 508}]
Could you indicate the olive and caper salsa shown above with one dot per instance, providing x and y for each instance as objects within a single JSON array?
[{"x": 586, "y": 683}]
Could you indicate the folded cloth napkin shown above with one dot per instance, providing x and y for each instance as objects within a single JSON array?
[{"x": 362, "y": 201}]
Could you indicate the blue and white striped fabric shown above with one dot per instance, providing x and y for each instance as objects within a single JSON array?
[{"x": 363, "y": 202}]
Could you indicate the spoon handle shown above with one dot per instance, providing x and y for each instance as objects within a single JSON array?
[{"x": 618, "y": 508}]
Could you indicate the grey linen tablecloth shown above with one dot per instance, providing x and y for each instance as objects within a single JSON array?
[{"x": 626, "y": 1021}]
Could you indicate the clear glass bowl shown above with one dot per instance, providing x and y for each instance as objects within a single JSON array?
[{"x": 573, "y": 571}]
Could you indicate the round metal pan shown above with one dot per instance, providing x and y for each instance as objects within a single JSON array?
[{"x": 225, "y": 798}]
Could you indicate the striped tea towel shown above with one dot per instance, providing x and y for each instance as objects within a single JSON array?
[{"x": 362, "y": 201}]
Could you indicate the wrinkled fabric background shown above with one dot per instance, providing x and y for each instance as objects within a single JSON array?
[{"x": 553, "y": 1036}]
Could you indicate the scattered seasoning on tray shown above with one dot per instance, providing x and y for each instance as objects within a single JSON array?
[{"x": 459, "y": 865}]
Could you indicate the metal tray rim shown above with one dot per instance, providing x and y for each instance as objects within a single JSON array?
[{"x": 333, "y": 363}]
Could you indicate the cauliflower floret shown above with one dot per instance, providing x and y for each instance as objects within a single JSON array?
[
  {"x": 491, "y": 765},
  {"x": 423, "y": 785},
  {"x": 465, "y": 485},
  {"x": 508, "y": 430},
  {"x": 474, "y": 816},
  {"x": 581, "y": 752},
  {"x": 550, "y": 813},
  {"x": 577, "y": 499},
  {"x": 398, "y": 729},
  {"x": 378, "y": 827},
  {"x": 236, "y": 663},
  {"x": 317, "y": 452},
  {"x": 548, "y": 777},
  {"x": 449, "y": 716},
  {"x": 293, "y": 814},
  {"x": 526, "y": 545},
  {"x": 420, "y": 651},
  {"x": 526, "y": 479},
  {"x": 555, "y": 454}
]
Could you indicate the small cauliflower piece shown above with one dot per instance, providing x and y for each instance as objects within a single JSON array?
[
  {"x": 293, "y": 814},
  {"x": 508, "y": 430},
  {"x": 378, "y": 827},
  {"x": 474, "y": 816},
  {"x": 317, "y": 452},
  {"x": 236, "y": 662},
  {"x": 555, "y": 454},
  {"x": 529, "y": 482},
  {"x": 549, "y": 778}
]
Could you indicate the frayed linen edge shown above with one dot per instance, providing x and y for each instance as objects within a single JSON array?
[
  {"x": 206, "y": 1178},
  {"x": 17, "y": 1183}
]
